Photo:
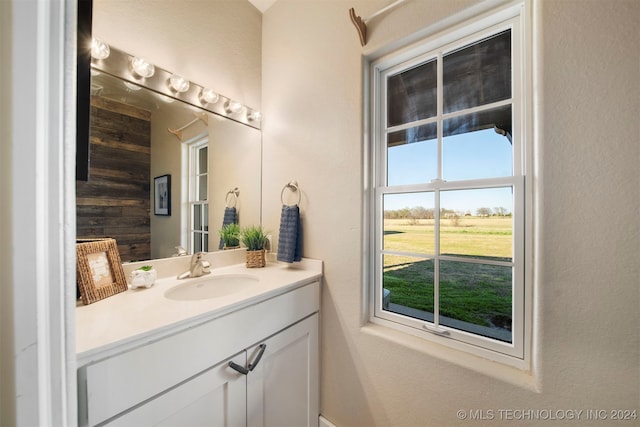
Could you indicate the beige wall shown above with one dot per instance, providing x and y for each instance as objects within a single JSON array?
[
  {"x": 166, "y": 158},
  {"x": 214, "y": 43},
  {"x": 587, "y": 297},
  {"x": 235, "y": 160}
]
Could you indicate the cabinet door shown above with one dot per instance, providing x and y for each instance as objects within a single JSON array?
[
  {"x": 216, "y": 397},
  {"x": 282, "y": 390}
]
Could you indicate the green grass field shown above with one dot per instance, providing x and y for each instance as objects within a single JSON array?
[{"x": 476, "y": 293}]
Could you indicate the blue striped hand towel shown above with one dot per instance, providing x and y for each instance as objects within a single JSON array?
[{"x": 290, "y": 238}]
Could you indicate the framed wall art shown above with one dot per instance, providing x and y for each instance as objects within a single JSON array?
[
  {"x": 162, "y": 195},
  {"x": 99, "y": 269}
]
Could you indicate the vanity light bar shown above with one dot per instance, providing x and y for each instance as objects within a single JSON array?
[{"x": 120, "y": 64}]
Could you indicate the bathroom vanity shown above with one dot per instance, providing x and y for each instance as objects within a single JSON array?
[{"x": 176, "y": 355}]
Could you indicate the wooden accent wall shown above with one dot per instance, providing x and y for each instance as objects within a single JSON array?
[{"x": 115, "y": 201}]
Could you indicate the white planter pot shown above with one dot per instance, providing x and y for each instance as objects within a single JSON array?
[{"x": 143, "y": 279}]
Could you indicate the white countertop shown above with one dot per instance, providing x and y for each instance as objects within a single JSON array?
[{"x": 135, "y": 317}]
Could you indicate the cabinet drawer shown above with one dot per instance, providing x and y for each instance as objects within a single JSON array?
[{"x": 111, "y": 386}]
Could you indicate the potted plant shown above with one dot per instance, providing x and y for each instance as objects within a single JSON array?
[
  {"x": 230, "y": 235},
  {"x": 143, "y": 277},
  {"x": 255, "y": 239}
]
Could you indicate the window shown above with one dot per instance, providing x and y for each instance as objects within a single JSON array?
[
  {"x": 198, "y": 196},
  {"x": 447, "y": 178}
]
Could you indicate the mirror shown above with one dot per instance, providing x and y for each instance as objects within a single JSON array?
[{"x": 131, "y": 143}]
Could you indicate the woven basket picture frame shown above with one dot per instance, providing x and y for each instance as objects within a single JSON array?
[{"x": 99, "y": 269}]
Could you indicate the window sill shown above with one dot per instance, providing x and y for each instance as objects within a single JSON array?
[{"x": 519, "y": 377}]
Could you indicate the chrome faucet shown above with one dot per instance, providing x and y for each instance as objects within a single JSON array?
[{"x": 198, "y": 267}]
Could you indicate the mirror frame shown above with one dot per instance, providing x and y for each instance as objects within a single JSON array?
[{"x": 83, "y": 87}]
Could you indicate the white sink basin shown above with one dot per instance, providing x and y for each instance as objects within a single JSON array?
[{"x": 212, "y": 287}]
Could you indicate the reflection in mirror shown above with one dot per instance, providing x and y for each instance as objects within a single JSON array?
[{"x": 137, "y": 134}]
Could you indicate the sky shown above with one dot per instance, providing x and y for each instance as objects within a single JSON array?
[{"x": 473, "y": 155}]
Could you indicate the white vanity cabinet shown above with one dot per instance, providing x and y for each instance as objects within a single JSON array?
[
  {"x": 216, "y": 397},
  {"x": 186, "y": 378},
  {"x": 282, "y": 390}
]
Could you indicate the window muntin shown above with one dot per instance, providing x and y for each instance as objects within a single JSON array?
[{"x": 460, "y": 279}]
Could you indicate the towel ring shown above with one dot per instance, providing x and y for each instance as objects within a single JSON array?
[
  {"x": 292, "y": 186},
  {"x": 235, "y": 193}
]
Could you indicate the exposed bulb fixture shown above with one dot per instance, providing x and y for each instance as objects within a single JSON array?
[
  {"x": 142, "y": 68},
  {"x": 254, "y": 116},
  {"x": 179, "y": 83},
  {"x": 167, "y": 86},
  {"x": 232, "y": 106},
  {"x": 207, "y": 96},
  {"x": 99, "y": 49}
]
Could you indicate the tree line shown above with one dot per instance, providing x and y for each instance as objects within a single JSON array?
[{"x": 420, "y": 212}]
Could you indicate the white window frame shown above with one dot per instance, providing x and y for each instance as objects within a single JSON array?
[
  {"x": 193, "y": 191},
  {"x": 512, "y": 17}
]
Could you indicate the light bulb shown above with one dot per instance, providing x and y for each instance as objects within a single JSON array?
[
  {"x": 179, "y": 83},
  {"x": 255, "y": 116},
  {"x": 142, "y": 68},
  {"x": 207, "y": 96},
  {"x": 232, "y": 106},
  {"x": 99, "y": 49}
]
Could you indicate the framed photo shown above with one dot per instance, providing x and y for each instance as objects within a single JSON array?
[
  {"x": 162, "y": 195},
  {"x": 99, "y": 269}
]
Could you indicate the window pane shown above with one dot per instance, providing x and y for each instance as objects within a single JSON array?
[
  {"x": 477, "y": 223},
  {"x": 478, "y": 74},
  {"x": 202, "y": 187},
  {"x": 409, "y": 223},
  {"x": 205, "y": 245},
  {"x": 476, "y": 298},
  {"x": 205, "y": 217},
  {"x": 478, "y": 145},
  {"x": 202, "y": 160},
  {"x": 411, "y": 155},
  {"x": 197, "y": 242},
  {"x": 411, "y": 95},
  {"x": 408, "y": 286},
  {"x": 197, "y": 217}
]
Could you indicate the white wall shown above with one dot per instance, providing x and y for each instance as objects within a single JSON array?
[{"x": 587, "y": 299}]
